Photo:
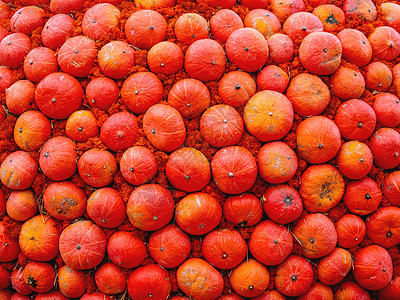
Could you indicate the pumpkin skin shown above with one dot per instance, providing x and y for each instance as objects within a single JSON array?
[
  {"x": 150, "y": 207},
  {"x": 2, "y": 204},
  {"x": 356, "y": 47},
  {"x": 6, "y": 78},
  {"x": 106, "y": 208},
  {"x": 110, "y": 279},
  {"x": 334, "y": 267},
  {"x": 234, "y": 169},
  {"x": 18, "y": 170},
  {"x": 236, "y": 88},
  {"x": 39, "y": 63},
  {"x": 268, "y": 116},
  {"x": 385, "y": 147},
  {"x": 5, "y": 10},
  {"x": 64, "y": 200},
  {"x": 391, "y": 188},
  {"x": 385, "y": 43},
  {"x": 277, "y": 162},
  {"x": 169, "y": 246},
  {"x": 243, "y": 210},
  {"x": 362, "y": 197},
  {"x": 263, "y": 21},
  {"x": 347, "y": 83},
  {"x": 9, "y": 247},
  {"x": 223, "y": 23},
  {"x": 165, "y": 134},
  {"x": 39, "y": 276},
  {"x": 81, "y": 126},
  {"x": 282, "y": 204},
  {"x": 216, "y": 3},
  {"x": 378, "y": 77},
  {"x": 56, "y": 30},
  {"x": 383, "y": 227},
  {"x": 17, "y": 282},
  {"x": 82, "y": 245},
  {"x": 272, "y": 78},
  {"x": 126, "y": 250},
  {"x": 153, "y": 4},
  {"x": 4, "y": 278},
  {"x": 72, "y": 283},
  {"x": 320, "y": 53},
  {"x": 355, "y": 119},
  {"x": 95, "y": 296},
  {"x": 32, "y": 130},
  {"x": 318, "y": 139},
  {"x": 391, "y": 15},
  {"x": 230, "y": 296},
  {"x": 27, "y": 19},
  {"x": 97, "y": 167},
  {"x": 102, "y": 92},
  {"x": 21, "y": 205},
  {"x": 190, "y": 97},
  {"x": 20, "y": 96},
  {"x": 391, "y": 291},
  {"x": 316, "y": 234},
  {"x": 57, "y": 159},
  {"x": 165, "y": 58},
  {"x": 354, "y": 160},
  {"x": 281, "y": 48},
  {"x": 308, "y": 94},
  {"x": 188, "y": 169},
  {"x": 44, "y": 245},
  {"x": 58, "y": 95},
  {"x": 205, "y": 60},
  {"x": 13, "y": 49},
  {"x": 119, "y": 131},
  {"x": 351, "y": 290},
  {"x": 116, "y": 59},
  {"x": 224, "y": 248},
  {"x": 283, "y": 9},
  {"x": 365, "y": 10},
  {"x": 316, "y": 291},
  {"x": 250, "y": 278},
  {"x": 65, "y": 7},
  {"x": 387, "y": 109},
  {"x": 145, "y": 28},
  {"x": 247, "y": 48},
  {"x": 221, "y": 126},
  {"x": 270, "y": 243},
  {"x": 331, "y": 16},
  {"x": 301, "y": 24},
  {"x": 138, "y": 165},
  {"x": 253, "y": 4},
  {"x": 294, "y": 276},
  {"x": 351, "y": 231},
  {"x": 149, "y": 280},
  {"x": 190, "y": 27},
  {"x": 198, "y": 213},
  {"x": 373, "y": 267},
  {"x": 99, "y": 20},
  {"x": 198, "y": 279},
  {"x": 77, "y": 55}
]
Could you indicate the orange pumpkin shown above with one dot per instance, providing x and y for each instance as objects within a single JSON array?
[
  {"x": 116, "y": 59},
  {"x": 165, "y": 58},
  {"x": 190, "y": 27},
  {"x": 385, "y": 43},
  {"x": 316, "y": 291},
  {"x": 272, "y": 78},
  {"x": 281, "y": 48},
  {"x": 391, "y": 188},
  {"x": 153, "y": 4},
  {"x": 347, "y": 83},
  {"x": 236, "y": 88},
  {"x": 356, "y": 47},
  {"x": 391, "y": 12},
  {"x": 223, "y": 23},
  {"x": 99, "y": 20},
  {"x": 331, "y": 16},
  {"x": 9, "y": 247},
  {"x": 284, "y": 8},
  {"x": 243, "y": 210},
  {"x": 351, "y": 290},
  {"x": 351, "y": 231},
  {"x": 72, "y": 283},
  {"x": 81, "y": 126},
  {"x": 385, "y": 147},
  {"x": 334, "y": 267},
  {"x": 387, "y": 109},
  {"x": 262, "y": 20},
  {"x": 21, "y": 205},
  {"x": 383, "y": 227},
  {"x": 39, "y": 276},
  {"x": 301, "y": 24},
  {"x": 354, "y": 160},
  {"x": 378, "y": 77},
  {"x": 20, "y": 96},
  {"x": 363, "y": 9}
]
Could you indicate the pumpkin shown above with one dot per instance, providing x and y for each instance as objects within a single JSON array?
[
  {"x": 373, "y": 267},
  {"x": 309, "y": 94},
  {"x": 198, "y": 213},
  {"x": 56, "y": 30},
  {"x": 72, "y": 283},
  {"x": 150, "y": 207},
  {"x": 187, "y": 169},
  {"x": 317, "y": 290},
  {"x": 242, "y": 210},
  {"x": 387, "y": 109},
  {"x": 221, "y": 126},
  {"x": 198, "y": 279},
  {"x": 224, "y": 248},
  {"x": 65, "y": 7},
  {"x": 102, "y": 92},
  {"x": 21, "y": 205},
  {"x": 378, "y": 77},
  {"x": 391, "y": 188},
  {"x": 27, "y": 19},
  {"x": 190, "y": 97},
  {"x": 223, "y": 23},
  {"x": 31, "y": 130},
  {"x": 351, "y": 290},
  {"x": 81, "y": 126},
  {"x": 236, "y": 88},
  {"x": 6, "y": 78},
  {"x": 82, "y": 245},
  {"x": 165, "y": 58},
  {"x": 385, "y": 42},
  {"x": 39, "y": 238},
  {"x": 391, "y": 15},
  {"x": 270, "y": 295},
  {"x": 383, "y": 227},
  {"x": 347, "y": 83},
  {"x": 354, "y": 160},
  {"x": 190, "y": 27},
  {"x": 153, "y": 4},
  {"x": 17, "y": 282},
  {"x": 385, "y": 147},
  {"x": 298, "y": 25},
  {"x": 38, "y": 63},
  {"x": 145, "y": 28},
  {"x": 140, "y": 91},
  {"x": 95, "y": 296},
  {"x": 218, "y": 3},
  {"x": 283, "y": 9},
  {"x": 39, "y": 276},
  {"x": 316, "y": 235},
  {"x": 335, "y": 267},
  {"x": 391, "y": 291},
  {"x": 77, "y": 55},
  {"x": 58, "y": 95},
  {"x": 9, "y": 247},
  {"x": 13, "y": 49},
  {"x": 364, "y": 9},
  {"x": 99, "y": 20},
  {"x": 20, "y": 96},
  {"x": 281, "y": 48},
  {"x": 272, "y": 78},
  {"x": 116, "y": 59},
  {"x": 331, "y": 16},
  {"x": 250, "y": 278},
  {"x": 356, "y": 47},
  {"x": 263, "y": 21},
  {"x": 270, "y": 243},
  {"x": 110, "y": 279}
]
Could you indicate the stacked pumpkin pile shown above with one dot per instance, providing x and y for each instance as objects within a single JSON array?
[{"x": 199, "y": 149}]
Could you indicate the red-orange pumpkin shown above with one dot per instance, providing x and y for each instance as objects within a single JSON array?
[
  {"x": 99, "y": 20},
  {"x": 39, "y": 63}
]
